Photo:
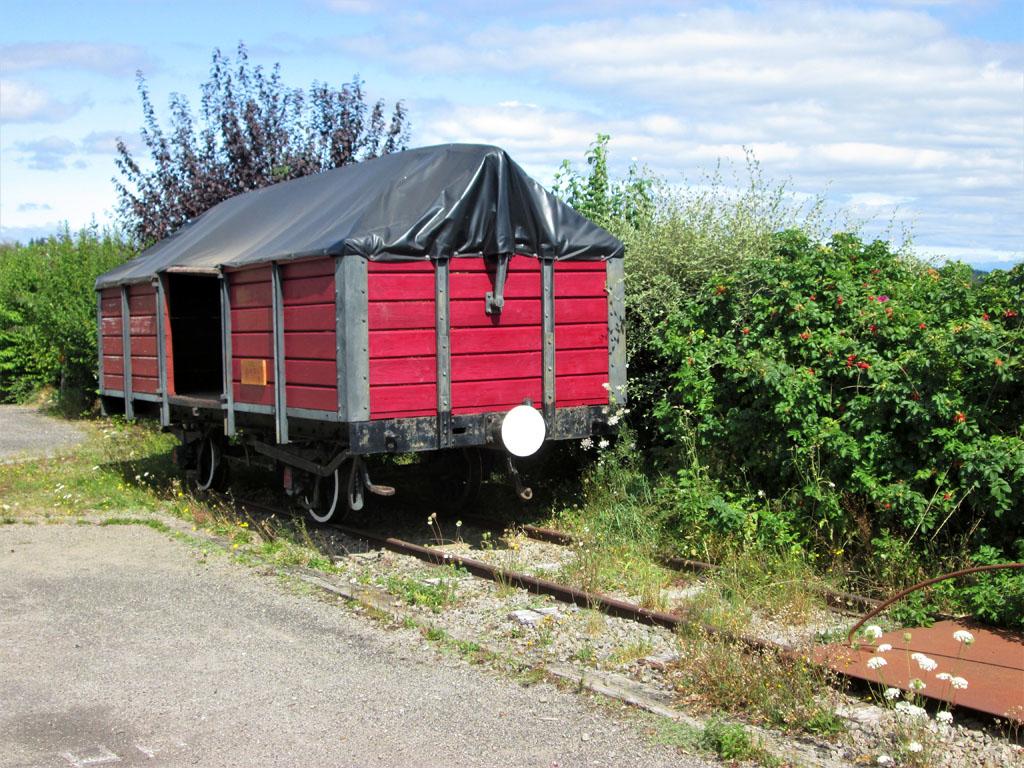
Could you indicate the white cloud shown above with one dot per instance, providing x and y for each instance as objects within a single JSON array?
[
  {"x": 21, "y": 102},
  {"x": 113, "y": 60}
]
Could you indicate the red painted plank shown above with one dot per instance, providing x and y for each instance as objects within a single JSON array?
[
  {"x": 308, "y": 290},
  {"x": 580, "y": 361},
  {"x": 571, "y": 284},
  {"x": 113, "y": 364},
  {"x": 144, "y": 367},
  {"x": 401, "y": 286},
  {"x": 112, "y": 326},
  {"x": 311, "y": 345},
  {"x": 310, "y": 268},
  {"x": 314, "y": 317},
  {"x": 251, "y": 320},
  {"x": 248, "y": 393},
  {"x": 470, "y": 313},
  {"x": 250, "y": 275},
  {"x": 518, "y": 263},
  {"x": 592, "y": 310},
  {"x": 111, "y": 307},
  {"x": 145, "y": 346},
  {"x": 251, "y": 295},
  {"x": 581, "y": 390},
  {"x": 142, "y": 326},
  {"x": 422, "y": 265},
  {"x": 418, "y": 399},
  {"x": 144, "y": 384},
  {"x": 401, "y": 315},
  {"x": 236, "y": 368},
  {"x": 144, "y": 304},
  {"x": 113, "y": 345},
  {"x": 252, "y": 345},
  {"x": 402, "y": 343},
  {"x": 403, "y": 370},
  {"x": 521, "y": 285},
  {"x": 315, "y": 398},
  {"x": 472, "y": 397},
  {"x": 113, "y": 382},
  {"x": 495, "y": 367},
  {"x": 581, "y": 336},
  {"x": 317, "y": 373},
  {"x": 580, "y": 265},
  {"x": 515, "y": 339},
  {"x": 112, "y": 294}
]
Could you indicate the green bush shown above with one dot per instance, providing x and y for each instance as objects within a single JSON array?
[
  {"x": 868, "y": 389},
  {"x": 48, "y": 314}
]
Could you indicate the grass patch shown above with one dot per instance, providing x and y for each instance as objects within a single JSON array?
[{"x": 435, "y": 595}]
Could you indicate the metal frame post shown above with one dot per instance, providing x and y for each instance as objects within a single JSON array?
[
  {"x": 99, "y": 340},
  {"x": 227, "y": 356},
  {"x": 547, "y": 270},
  {"x": 280, "y": 393},
  {"x": 352, "y": 326},
  {"x": 161, "y": 349},
  {"x": 444, "y": 353},
  {"x": 616, "y": 278},
  {"x": 126, "y": 353}
]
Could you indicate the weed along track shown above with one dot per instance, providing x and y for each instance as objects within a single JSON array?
[{"x": 509, "y": 578}]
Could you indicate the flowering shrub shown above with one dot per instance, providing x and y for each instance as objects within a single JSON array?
[{"x": 872, "y": 391}]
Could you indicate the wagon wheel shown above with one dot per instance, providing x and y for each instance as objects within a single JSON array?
[
  {"x": 211, "y": 471},
  {"x": 456, "y": 476}
]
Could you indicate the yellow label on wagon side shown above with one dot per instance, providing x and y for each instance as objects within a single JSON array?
[{"x": 254, "y": 372}]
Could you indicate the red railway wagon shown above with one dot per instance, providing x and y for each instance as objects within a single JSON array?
[{"x": 436, "y": 299}]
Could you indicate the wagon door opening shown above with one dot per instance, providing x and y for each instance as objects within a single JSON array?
[{"x": 195, "y": 315}]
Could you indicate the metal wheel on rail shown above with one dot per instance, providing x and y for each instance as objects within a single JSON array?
[
  {"x": 211, "y": 470},
  {"x": 457, "y": 475}
]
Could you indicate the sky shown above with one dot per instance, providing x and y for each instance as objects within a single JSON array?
[{"x": 906, "y": 115}]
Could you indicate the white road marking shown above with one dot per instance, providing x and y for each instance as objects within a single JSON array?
[
  {"x": 150, "y": 753},
  {"x": 98, "y": 756}
]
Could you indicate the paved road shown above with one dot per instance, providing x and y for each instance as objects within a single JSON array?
[
  {"x": 120, "y": 646},
  {"x": 24, "y": 431}
]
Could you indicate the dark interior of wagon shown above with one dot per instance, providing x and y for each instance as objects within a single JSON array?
[{"x": 194, "y": 304}]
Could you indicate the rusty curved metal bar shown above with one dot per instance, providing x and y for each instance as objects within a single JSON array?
[{"x": 927, "y": 583}]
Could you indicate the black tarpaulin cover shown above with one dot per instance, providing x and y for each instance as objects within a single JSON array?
[{"x": 446, "y": 201}]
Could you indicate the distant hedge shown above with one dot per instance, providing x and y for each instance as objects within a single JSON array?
[{"x": 48, "y": 313}]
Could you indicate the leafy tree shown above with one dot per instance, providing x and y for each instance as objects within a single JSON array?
[{"x": 253, "y": 131}]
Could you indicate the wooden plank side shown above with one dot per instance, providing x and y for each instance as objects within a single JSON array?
[
  {"x": 144, "y": 325},
  {"x": 313, "y": 398},
  {"x": 585, "y": 310},
  {"x": 580, "y": 265},
  {"x": 259, "y": 274},
  {"x": 113, "y": 345},
  {"x": 112, "y": 294},
  {"x": 403, "y": 370},
  {"x": 494, "y": 367},
  {"x": 310, "y": 345},
  {"x": 112, "y": 381},
  {"x": 581, "y": 336},
  {"x": 472, "y": 397},
  {"x": 298, "y": 270},
  {"x": 317, "y": 373},
  {"x": 580, "y": 284},
  {"x": 421, "y": 265},
  {"x": 308, "y": 290},
  {"x": 402, "y": 343},
  {"x": 253, "y": 320},
  {"x": 142, "y": 346},
  {"x": 518, "y": 263},
  {"x": 113, "y": 364},
  {"x": 142, "y": 304},
  {"x": 149, "y": 384},
  {"x": 112, "y": 326},
  {"x": 143, "y": 366},
  {"x": 570, "y": 362},
  {"x": 252, "y": 345},
  {"x": 110, "y": 307},
  {"x": 581, "y": 390},
  {"x": 313, "y": 317},
  {"x": 469, "y": 313},
  {"x": 514, "y": 339},
  {"x": 412, "y": 400},
  {"x": 248, "y": 295},
  {"x": 236, "y": 369},
  {"x": 400, "y": 315},
  {"x": 247, "y": 393}
]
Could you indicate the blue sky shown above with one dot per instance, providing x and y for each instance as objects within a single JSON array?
[{"x": 907, "y": 114}]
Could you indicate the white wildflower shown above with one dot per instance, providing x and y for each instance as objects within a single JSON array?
[
  {"x": 602, "y": 444},
  {"x": 944, "y": 717},
  {"x": 915, "y": 746},
  {"x": 884, "y": 760},
  {"x": 927, "y": 664},
  {"x": 760, "y": 494},
  {"x": 883, "y": 648},
  {"x": 873, "y": 630},
  {"x": 911, "y": 710},
  {"x": 963, "y": 636},
  {"x": 831, "y": 484},
  {"x": 892, "y": 693},
  {"x": 587, "y": 443},
  {"x": 944, "y": 676},
  {"x": 918, "y": 684},
  {"x": 876, "y": 662},
  {"x": 958, "y": 682},
  {"x": 606, "y": 385},
  {"x": 613, "y": 419}
]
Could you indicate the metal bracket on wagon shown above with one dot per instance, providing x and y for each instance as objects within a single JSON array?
[
  {"x": 292, "y": 459},
  {"x": 494, "y": 301}
]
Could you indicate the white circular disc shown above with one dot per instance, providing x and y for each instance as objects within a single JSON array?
[{"x": 523, "y": 430}]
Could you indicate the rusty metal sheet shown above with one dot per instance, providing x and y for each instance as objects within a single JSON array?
[{"x": 993, "y": 665}]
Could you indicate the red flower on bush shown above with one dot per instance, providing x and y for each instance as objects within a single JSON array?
[
  {"x": 810, "y": 371},
  {"x": 999, "y": 362},
  {"x": 873, "y": 328},
  {"x": 813, "y": 297},
  {"x": 1010, "y": 313},
  {"x": 863, "y": 366},
  {"x": 984, "y": 316},
  {"x": 960, "y": 417},
  {"x": 745, "y": 331},
  {"x": 805, "y": 335},
  {"x": 839, "y": 301},
  {"x": 922, "y": 326}
]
